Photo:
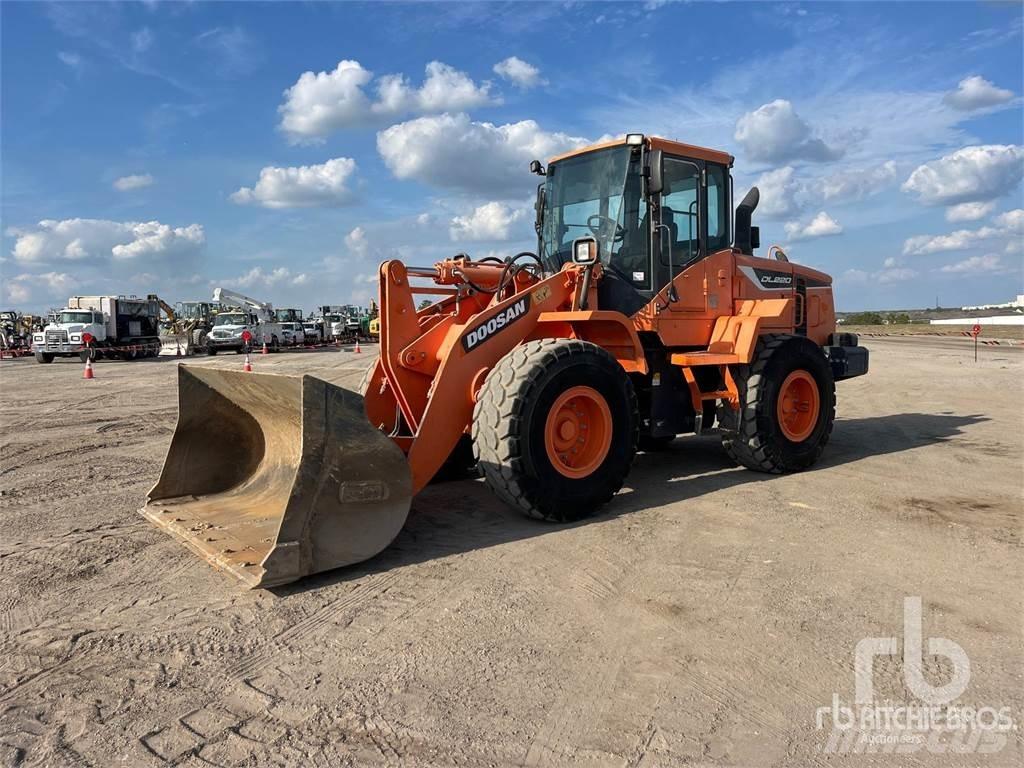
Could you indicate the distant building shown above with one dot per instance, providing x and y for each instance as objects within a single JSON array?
[{"x": 1017, "y": 303}]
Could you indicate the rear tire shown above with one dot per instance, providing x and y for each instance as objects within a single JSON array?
[
  {"x": 534, "y": 452},
  {"x": 766, "y": 435}
]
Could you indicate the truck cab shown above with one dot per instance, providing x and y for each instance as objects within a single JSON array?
[
  {"x": 229, "y": 330},
  {"x": 93, "y": 326}
]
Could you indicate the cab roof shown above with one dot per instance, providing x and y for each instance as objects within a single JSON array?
[{"x": 655, "y": 142}]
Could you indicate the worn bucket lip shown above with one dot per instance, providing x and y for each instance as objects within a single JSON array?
[{"x": 251, "y": 575}]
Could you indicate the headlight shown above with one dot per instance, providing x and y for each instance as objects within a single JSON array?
[
  {"x": 38, "y": 337},
  {"x": 76, "y": 337},
  {"x": 584, "y": 250}
]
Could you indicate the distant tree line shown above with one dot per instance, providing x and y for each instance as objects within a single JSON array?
[{"x": 877, "y": 318}]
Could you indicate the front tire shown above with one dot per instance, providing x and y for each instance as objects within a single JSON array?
[
  {"x": 555, "y": 428},
  {"x": 44, "y": 357},
  {"x": 787, "y": 407}
]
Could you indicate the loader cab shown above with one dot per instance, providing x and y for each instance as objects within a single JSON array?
[{"x": 655, "y": 207}]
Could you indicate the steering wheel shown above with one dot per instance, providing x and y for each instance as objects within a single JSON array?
[{"x": 603, "y": 221}]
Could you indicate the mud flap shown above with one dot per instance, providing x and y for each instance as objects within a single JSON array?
[{"x": 272, "y": 478}]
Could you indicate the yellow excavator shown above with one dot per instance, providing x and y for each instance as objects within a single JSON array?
[{"x": 644, "y": 314}]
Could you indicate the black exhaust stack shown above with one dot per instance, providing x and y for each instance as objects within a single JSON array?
[{"x": 747, "y": 237}]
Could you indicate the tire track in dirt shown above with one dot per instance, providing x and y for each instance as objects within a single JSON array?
[
  {"x": 600, "y": 580},
  {"x": 284, "y": 641}
]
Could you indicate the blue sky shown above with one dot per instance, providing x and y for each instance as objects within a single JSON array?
[{"x": 285, "y": 149}]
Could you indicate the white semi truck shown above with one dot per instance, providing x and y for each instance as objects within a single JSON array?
[
  {"x": 91, "y": 327},
  {"x": 231, "y": 326}
]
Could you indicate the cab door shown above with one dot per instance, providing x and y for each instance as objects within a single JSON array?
[{"x": 678, "y": 242}]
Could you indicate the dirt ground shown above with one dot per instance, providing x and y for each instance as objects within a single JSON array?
[{"x": 701, "y": 619}]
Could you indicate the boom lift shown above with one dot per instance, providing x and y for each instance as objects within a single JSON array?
[
  {"x": 230, "y": 326},
  {"x": 644, "y": 314}
]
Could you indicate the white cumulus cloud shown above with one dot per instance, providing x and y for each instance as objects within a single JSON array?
[
  {"x": 969, "y": 211},
  {"x": 856, "y": 184},
  {"x": 321, "y": 103},
  {"x": 775, "y": 133},
  {"x": 135, "y": 181},
  {"x": 961, "y": 239},
  {"x": 1011, "y": 221},
  {"x": 97, "y": 240},
  {"x": 491, "y": 221},
  {"x": 891, "y": 272},
  {"x": 976, "y": 92},
  {"x": 970, "y": 174},
  {"x": 356, "y": 241},
  {"x": 822, "y": 225},
  {"x": 521, "y": 73},
  {"x": 453, "y": 152},
  {"x": 305, "y": 186},
  {"x": 1008, "y": 226},
  {"x": 257, "y": 277},
  {"x": 780, "y": 193},
  {"x": 975, "y": 264},
  {"x": 26, "y": 287}
]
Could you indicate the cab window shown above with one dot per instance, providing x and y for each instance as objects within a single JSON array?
[
  {"x": 679, "y": 213},
  {"x": 719, "y": 235}
]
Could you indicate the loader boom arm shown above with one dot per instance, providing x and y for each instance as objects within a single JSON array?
[{"x": 434, "y": 361}]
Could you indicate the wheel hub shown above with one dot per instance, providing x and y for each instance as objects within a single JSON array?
[
  {"x": 578, "y": 432},
  {"x": 798, "y": 406}
]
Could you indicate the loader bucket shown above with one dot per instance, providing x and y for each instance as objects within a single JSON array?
[
  {"x": 176, "y": 345},
  {"x": 272, "y": 478}
]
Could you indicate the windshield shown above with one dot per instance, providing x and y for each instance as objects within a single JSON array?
[
  {"x": 598, "y": 194},
  {"x": 191, "y": 310},
  {"x": 230, "y": 318},
  {"x": 75, "y": 317}
]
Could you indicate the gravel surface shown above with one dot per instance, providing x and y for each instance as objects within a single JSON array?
[{"x": 702, "y": 618}]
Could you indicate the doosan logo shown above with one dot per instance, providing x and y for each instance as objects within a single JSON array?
[{"x": 501, "y": 320}]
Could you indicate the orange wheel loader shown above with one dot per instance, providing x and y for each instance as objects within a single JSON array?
[{"x": 643, "y": 315}]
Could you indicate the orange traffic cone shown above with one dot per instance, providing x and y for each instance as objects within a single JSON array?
[
  {"x": 88, "y": 374},
  {"x": 265, "y": 350},
  {"x": 248, "y": 365},
  {"x": 357, "y": 350}
]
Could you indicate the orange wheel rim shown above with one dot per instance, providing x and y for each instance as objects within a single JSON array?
[
  {"x": 798, "y": 406},
  {"x": 578, "y": 432}
]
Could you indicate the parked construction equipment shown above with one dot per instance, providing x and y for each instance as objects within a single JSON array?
[
  {"x": 187, "y": 326},
  {"x": 643, "y": 315},
  {"x": 16, "y": 333},
  {"x": 101, "y": 326}
]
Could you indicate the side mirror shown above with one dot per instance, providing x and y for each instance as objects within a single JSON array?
[
  {"x": 654, "y": 173},
  {"x": 537, "y": 169}
]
